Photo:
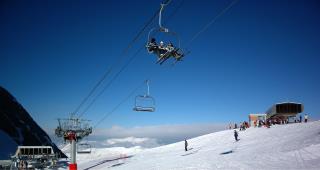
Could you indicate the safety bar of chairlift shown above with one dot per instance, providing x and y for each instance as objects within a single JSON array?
[
  {"x": 145, "y": 109},
  {"x": 174, "y": 34}
]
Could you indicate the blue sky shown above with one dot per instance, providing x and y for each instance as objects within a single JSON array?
[{"x": 256, "y": 54}]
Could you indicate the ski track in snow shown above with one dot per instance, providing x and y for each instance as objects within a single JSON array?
[{"x": 291, "y": 146}]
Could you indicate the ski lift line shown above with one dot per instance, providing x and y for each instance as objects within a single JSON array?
[
  {"x": 115, "y": 64},
  {"x": 118, "y": 61},
  {"x": 191, "y": 40},
  {"x": 130, "y": 60},
  {"x": 111, "y": 81},
  {"x": 93, "y": 89},
  {"x": 109, "y": 113},
  {"x": 123, "y": 101},
  {"x": 115, "y": 108},
  {"x": 194, "y": 37},
  {"x": 211, "y": 22}
]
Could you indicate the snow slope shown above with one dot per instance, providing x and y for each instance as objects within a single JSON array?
[{"x": 292, "y": 146}]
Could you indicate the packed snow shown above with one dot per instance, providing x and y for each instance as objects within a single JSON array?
[{"x": 290, "y": 146}]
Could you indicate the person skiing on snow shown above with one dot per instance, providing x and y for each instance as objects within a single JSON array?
[
  {"x": 305, "y": 118},
  {"x": 185, "y": 145},
  {"x": 236, "y": 135}
]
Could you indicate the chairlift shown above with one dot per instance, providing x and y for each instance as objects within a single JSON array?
[
  {"x": 144, "y": 103},
  {"x": 84, "y": 148},
  {"x": 164, "y": 52}
]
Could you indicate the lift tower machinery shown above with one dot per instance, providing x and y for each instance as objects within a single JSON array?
[{"x": 73, "y": 129}]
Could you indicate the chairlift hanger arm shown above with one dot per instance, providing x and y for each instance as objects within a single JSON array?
[
  {"x": 148, "y": 88},
  {"x": 163, "y": 29}
]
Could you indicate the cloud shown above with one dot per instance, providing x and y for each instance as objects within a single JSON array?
[
  {"x": 131, "y": 142},
  {"x": 148, "y": 136},
  {"x": 162, "y": 134}
]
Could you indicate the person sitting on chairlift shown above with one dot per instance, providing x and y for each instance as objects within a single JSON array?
[
  {"x": 163, "y": 51},
  {"x": 170, "y": 47},
  {"x": 174, "y": 51},
  {"x": 152, "y": 45}
]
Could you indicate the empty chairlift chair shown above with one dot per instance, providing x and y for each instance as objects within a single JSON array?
[
  {"x": 84, "y": 148},
  {"x": 144, "y": 103}
]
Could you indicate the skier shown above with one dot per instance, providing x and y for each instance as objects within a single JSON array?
[
  {"x": 300, "y": 118},
  {"x": 152, "y": 46},
  {"x": 243, "y": 126},
  {"x": 305, "y": 118},
  {"x": 185, "y": 145},
  {"x": 236, "y": 135}
]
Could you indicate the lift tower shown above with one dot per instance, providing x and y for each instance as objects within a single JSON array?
[{"x": 72, "y": 130}]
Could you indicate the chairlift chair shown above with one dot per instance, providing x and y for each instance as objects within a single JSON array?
[
  {"x": 152, "y": 46},
  {"x": 83, "y": 148},
  {"x": 144, "y": 103}
]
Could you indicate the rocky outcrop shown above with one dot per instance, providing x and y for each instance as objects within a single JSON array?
[{"x": 16, "y": 123}]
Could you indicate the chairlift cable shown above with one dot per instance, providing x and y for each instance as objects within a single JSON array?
[
  {"x": 93, "y": 90},
  {"x": 116, "y": 107},
  {"x": 124, "y": 52},
  {"x": 134, "y": 90},
  {"x": 111, "y": 81},
  {"x": 214, "y": 19},
  {"x": 129, "y": 61},
  {"x": 189, "y": 42}
]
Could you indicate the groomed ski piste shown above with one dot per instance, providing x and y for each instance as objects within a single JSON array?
[{"x": 290, "y": 146}]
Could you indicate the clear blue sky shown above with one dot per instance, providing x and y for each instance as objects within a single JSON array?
[{"x": 257, "y": 54}]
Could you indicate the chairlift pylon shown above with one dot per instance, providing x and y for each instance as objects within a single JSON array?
[
  {"x": 144, "y": 103},
  {"x": 73, "y": 128}
]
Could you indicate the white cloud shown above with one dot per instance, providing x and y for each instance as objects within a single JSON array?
[
  {"x": 130, "y": 142},
  {"x": 148, "y": 136},
  {"x": 162, "y": 134}
]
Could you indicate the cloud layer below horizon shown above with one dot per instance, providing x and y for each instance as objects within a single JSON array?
[
  {"x": 151, "y": 136},
  {"x": 147, "y": 136}
]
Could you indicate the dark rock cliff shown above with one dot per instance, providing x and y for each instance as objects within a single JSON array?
[{"x": 17, "y": 124}]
